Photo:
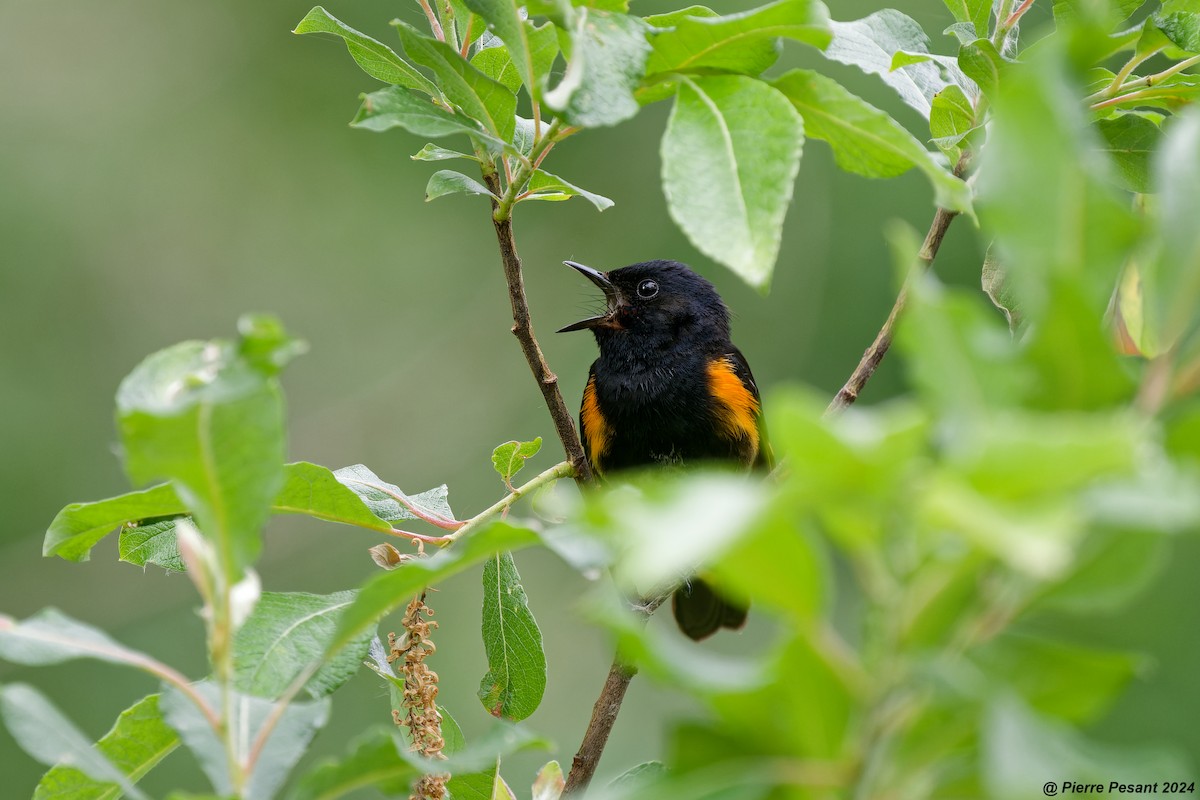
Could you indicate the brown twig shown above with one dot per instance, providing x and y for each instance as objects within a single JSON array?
[
  {"x": 564, "y": 422},
  {"x": 604, "y": 713},
  {"x": 883, "y": 340}
]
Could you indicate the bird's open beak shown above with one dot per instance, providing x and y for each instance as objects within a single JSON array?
[{"x": 611, "y": 295}]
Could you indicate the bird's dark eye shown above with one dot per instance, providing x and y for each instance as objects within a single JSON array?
[{"x": 647, "y": 289}]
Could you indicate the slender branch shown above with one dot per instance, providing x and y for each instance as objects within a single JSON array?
[
  {"x": 883, "y": 340},
  {"x": 276, "y": 714},
  {"x": 1015, "y": 16},
  {"x": 1144, "y": 84},
  {"x": 564, "y": 421},
  {"x": 561, "y": 470},
  {"x": 434, "y": 25},
  {"x": 604, "y": 713}
]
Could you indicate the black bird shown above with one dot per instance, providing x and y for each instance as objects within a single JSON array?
[{"x": 669, "y": 388}]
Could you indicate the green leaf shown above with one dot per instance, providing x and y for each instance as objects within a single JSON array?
[
  {"x": 643, "y": 773},
  {"x": 607, "y": 59},
  {"x": 532, "y": 50},
  {"x": 376, "y": 59},
  {"x": 510, "y": 457},
  {"x": 1020, "y": 749},
  {"x": 485, "y": 100},
  {"x": 447, "y": 181},
  {"x": 80, "y": 526},
  {"x": 1084, "y": 230},
  {"x": 742, "y": 42},
  {"x": 286, "y": 744},
  {"x": 871, "y": 43},
  {"x": 1179, "y": 21},
  {"x": 1130, "y": 140},
  {"x": 151, "y": 543},
  {"x": 730, "y": 157},
  {"x": 44, "y": 733},
  {"x": 1064, "y": 680},
  {"x": 1112, "y": 568},
  {"x": 546, "y": 186},
  {"x": 951, "y": 118},
  {"x": 372, "y": 760},
  {"x": 316, "y": 491},
  {"x": 51, "y": 637},
  {"x": 209, "y": 417},
  {"x": 516, "y": 677},
  {"x": 549, "y": 782},
  {"x": 395, "y": 107},
  {"x": 1170, "y": 282},
  {"x": 497, "y": 65},
  {"x": 386, "y": 591},
  {"x": 864, "y": 139},
  {"x": 976, "y": 12},
  {"x": 980, "y": 62},
  {"x": 431, "y": 152},
  {"x": 388, "y": 501},
  {"x": 285, "y": 632},
  {"x": 136, "y": 744}
]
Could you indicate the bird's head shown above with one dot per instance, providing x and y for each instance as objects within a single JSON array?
[{"x": 659, "y": 299}]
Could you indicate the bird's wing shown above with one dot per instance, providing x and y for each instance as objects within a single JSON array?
[
  {"x": 741, "y": 368},
  {"x": 594, "y": 430}
]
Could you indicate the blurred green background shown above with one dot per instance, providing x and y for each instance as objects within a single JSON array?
[{"x": 166, "y": 166}]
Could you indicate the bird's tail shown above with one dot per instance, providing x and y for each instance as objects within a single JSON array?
[{"x": 701, "y": 612}]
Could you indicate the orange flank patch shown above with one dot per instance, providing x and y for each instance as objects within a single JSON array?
[
  {"x": 596, "y": 433},
  {"x": 737, "y": 408}
]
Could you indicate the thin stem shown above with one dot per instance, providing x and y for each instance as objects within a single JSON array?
[
  {"x": 434, "y": 25},
  {"x": 1015, "y": 16},
  {"x": 883, "y": 340},
  {"x": 604, "y": 713},
  {"x": 1001, "y": 32},
  {"x": 277, "y": 711},
  {"x": 1144, "y": 83},
  {"x": 466, "y": 43},
  {"x": 1135, "y": 61},
  {"x": 437, "y": 520},
  {"x": 564, "y": 421},
  {"x": 563, "y": 469}
]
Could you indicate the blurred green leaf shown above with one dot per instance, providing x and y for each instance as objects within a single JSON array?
[
  {"x": 210, "y": 419},
  {"x": 137, "y": 742},
  {"x": 870, "y": 44},
  {"x": 604, "y": 67},
  {"x": 640, "y": 775},
  {"x": 743, "y": 42},
  {"x": 993, "y": 279},
  {"x": 376, "y": 59},
  {"x": 284, "y": 634},
  {"x": 1130, "y": 140},
  {"x": 549, "y": 782},
  {"x": 532, "y": 50},
  {"x": 446, "y": 181},
  {"x": 865, "y": 140},
  {"x": 151, "y": 543},
  {"x": 287, "y": 743},
  {"x": 44, "y": 733},
  {"x": 1112, "y": 568},
  {"x": 1063, "y": 680},
  {"x": 951, "y": 119},
  {"x": 1083, "y": 230},
  {"x": 384, "y": 592},
  {"x": 383, "y": 499},
  {"x": 482, "y": 99},
  {"x": 80, "y": 526},
  {"x": 51, "y": 637},
  {"x": 1170, "y": 280},
  {"x": 395, "y": 107},
  {"x": 1022, "y": 751},
  {"x": 372, "y": 760},
  {"x": 748, "y": 138},
  {"x": 545, "y": 186},
  {"x": 515, "y": 681},
  {"x": 510, "y": 457}
]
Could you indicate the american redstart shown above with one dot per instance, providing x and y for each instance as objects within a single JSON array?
[{"x": 669, "y": 388}]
